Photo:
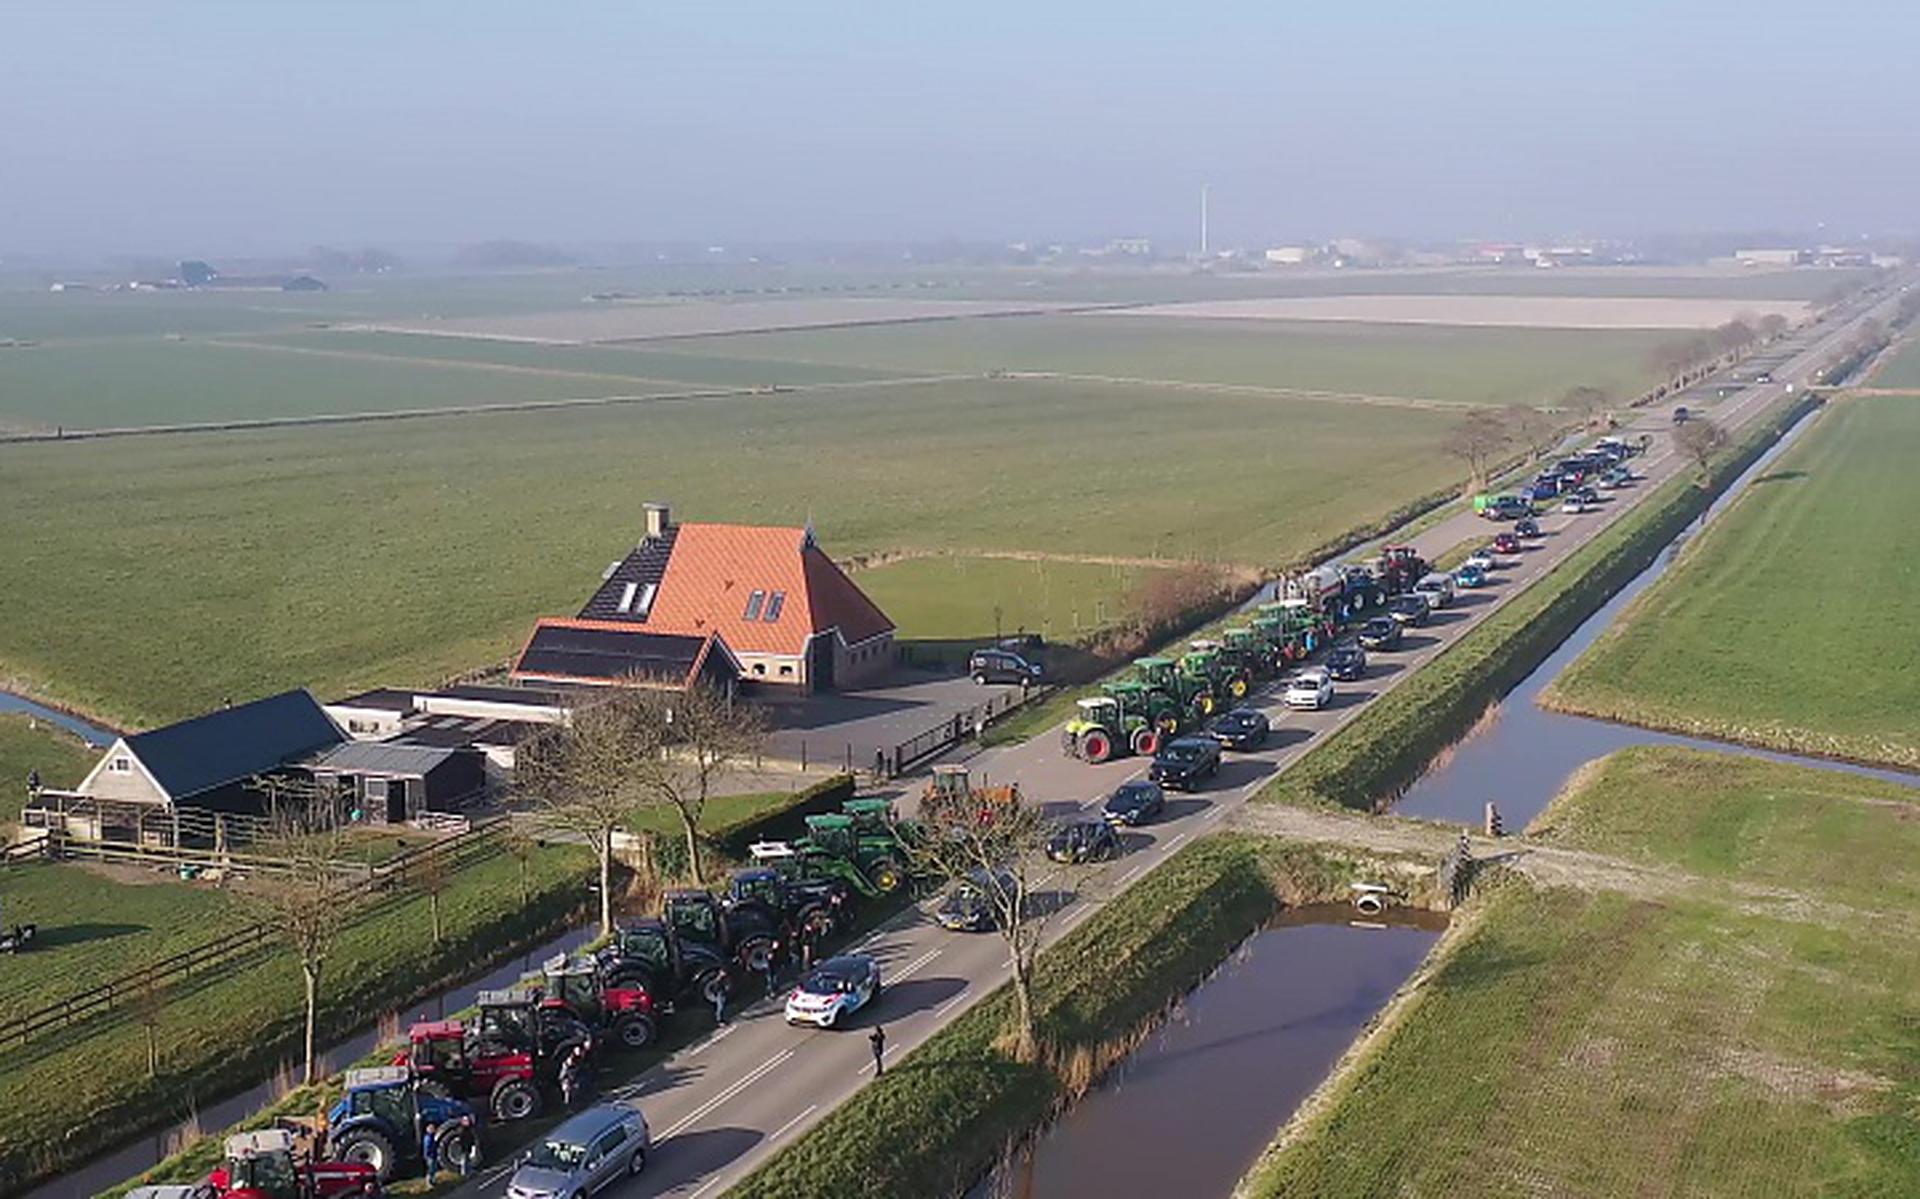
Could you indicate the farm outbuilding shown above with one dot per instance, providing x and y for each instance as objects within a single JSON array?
[{"x": 391, "y": 783}]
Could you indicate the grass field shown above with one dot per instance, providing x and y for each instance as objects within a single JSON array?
[
  {"x": 26, "y": 745},
  {"x": 1902, "y": 369},
  {"x": 1758, "y": 1042},
  {"x": 152, "y": 577},
  {"x": 1492, "y": 366},
  {"x": 1790, "y": 622},
  {"x": 964, "y": 598}
]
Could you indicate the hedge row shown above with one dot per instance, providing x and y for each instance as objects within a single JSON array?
[{"x": 1371, "y": 761}]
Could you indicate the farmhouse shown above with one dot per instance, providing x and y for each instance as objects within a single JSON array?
[{"x": 760, "y": 604}]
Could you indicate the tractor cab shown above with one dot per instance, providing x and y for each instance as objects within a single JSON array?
[
  {"x": 576, "y": 989},
  {"x": 831, "y": 833},
  {"x": 377, "y": 1122},
  {"x": 869, "y": 815},
  {"x": 264, "y": 1164},
  {"x": 805, "y": 906},
  {"x": 516, "y": 1021},
  {"x": 695, "y": 915},
  {"x": 951, "y": 796},
  {"x": 761, "y": 884},
  {"x": 1155, "y": 673},
  {"x": 573, "y": 983},
  {"x": 436, "y": 1047}
]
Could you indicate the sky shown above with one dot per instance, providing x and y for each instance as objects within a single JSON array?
[{"x": 195, "y": 128}]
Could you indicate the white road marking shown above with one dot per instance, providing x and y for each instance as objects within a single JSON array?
[
  {"x": 914, "y": 965},
  {"x": 1128, "y": 876},
  {"x": 948, "y": 1006},
  {"x": 752, "y": 1076},
  {"x": 1175, "y": 843},
  {"x": 704, "y": 1187},
  {"x": 786, "y": 1128},
  {"x": 713, "y": 1040}
]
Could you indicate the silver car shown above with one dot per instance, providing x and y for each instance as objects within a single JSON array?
[{"x": 600, "y": 1145}]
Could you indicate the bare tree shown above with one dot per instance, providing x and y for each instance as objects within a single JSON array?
[
  {"x": 588, "y": 777},
  {"x": 706, "y": 736},
  {"x": 1700, "y": 440},
  {"x": 998, "y": 853},
  {"x": 1586, "y": 402},
  {"x": 521, "y": 846},
  {"x": 1477, "y": 439},
  {"x": 1536, "y": 430},
  {"x": 149, "y": 1003},
  {"x": 307, "y": 905},
  {"x": 1773, "y": 325},
  {"x": 428, "y": 873}
]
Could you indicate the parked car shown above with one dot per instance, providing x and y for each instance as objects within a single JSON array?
[
  {"x": 1185, "y": 762},
  {"x": 1527, "y": 528},
  {"x": 1470, "y": 576},
  {"x": 1311, "y": 688},
  {"x": 1437, "y": 587},
  {"x": 1133, "y": 803},
  {"x": 1241, "y": 728},
  {"x": 1002, "y": 666},
  {"x": 836, "y": 988},
  {"x": 586, "y": 1153},
  {"x": 1083, "y": 841},
  {"x": 1483, "y": 559},
  {"x": 1574, "y": 504},
  {"x": 1680, "y": 415},
  {"x": 1507, "y": 507},
  {"x": 1381, "y": 632},
  {"x": 1506, "y": 543},
  {"x": 1588, "y": 494},
  {"x": 1347, "y": 661},
  {"x": 969, "y": 905},
  {"x": 1763, "y": 377},
  {"x": 1411, "y": 608}
]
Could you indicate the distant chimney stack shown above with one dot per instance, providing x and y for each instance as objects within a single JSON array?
[{"x": 659, "y": 520}]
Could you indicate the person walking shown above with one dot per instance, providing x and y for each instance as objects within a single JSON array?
[
  {"x": 878, "y": 1040},
  {"x": 719, "y": 998},
  {"x": 571, "y": 1068}
]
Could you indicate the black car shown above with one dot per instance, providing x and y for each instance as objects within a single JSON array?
[
  {"x": 1083, "y": 841},
  {"x": 1347, "y": 661},
  {"x": 1588, "y": 495},
  {"x": 1381, "y": 632},
  {"x": 1527, "y": 528},
  {"x": 1136, "y": 802},
  {"x": 1410, "y": 609},
  {"x": 968, "y": 907},
  {"x": 1185, "y": 761},
  {"x": 1001, "y": 666},
  {"x": 1242, "y": 728}
]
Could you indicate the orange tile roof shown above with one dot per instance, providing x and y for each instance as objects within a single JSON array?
[{"x": 715, "y": 569}]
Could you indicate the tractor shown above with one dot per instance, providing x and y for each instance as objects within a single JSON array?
[
  {"x": 805, "y": 907},
  {"x": 748, "y": 937},
  {"x": 1398, "y": 568},
  {"x": 267, "y": 1164},
  {"x": 1303, "y": 631},
  {"x": 1207, "y": 661},
  {"x": 509, "y": 1057},
  {"x": 1282, "y": 648},
  {"x": 1191, "y": 695},
  {"x": 577, "y": 987},
  {"x": 951, "y": 797},
  {"x": 379, "y": 1121},
  {"x": 1246, "y": 650},
  {"x": 1101, "y": 729},
  {"x": 650, "y": 954}
]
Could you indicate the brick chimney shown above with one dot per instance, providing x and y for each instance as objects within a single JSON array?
[{"x": 659, "y": 520}]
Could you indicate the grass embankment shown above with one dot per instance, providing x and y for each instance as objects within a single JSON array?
[
  {"x": 1901, "y": 368},
  {"x": 944, "y": 1116},
  {"x": 155, "y": 576},
  {"x": 27, "y": 744},
  {"x": 1790, "y": 623},
  {"x": 80, "y": 1091},
  {"x": 1374, "y": 758},
  {"x": 1596, "y": 1044}
]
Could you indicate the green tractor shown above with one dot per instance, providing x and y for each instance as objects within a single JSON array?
[
  {"x": 1302, "y": 629},
  {"x": 1160, "y": 711},
  {"x": 861, "y": 848},
  {"x": 1226, "y": 675},
  {"x": 1281, "y": 648},
  {"x": 1244, "y": 649},
  {"x": 1102, "y": 728},
  {"x": 1191, "y": 695}
]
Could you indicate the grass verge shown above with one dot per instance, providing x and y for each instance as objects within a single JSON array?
[
  {"x": 943, "y": 1118},
  {"x": 29, "y": 744},
  {"x": 1374, "y": 758}
]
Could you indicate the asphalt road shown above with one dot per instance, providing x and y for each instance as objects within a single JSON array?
[{"x": 721, "y": 1106}]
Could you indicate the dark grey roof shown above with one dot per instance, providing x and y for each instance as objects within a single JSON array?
[
  {"x": 536, "y": 696},
  {"x": 560, "y": 651},
  {"x": 386, "y": 699},
  {"x": 455, "y": 731},
  {"x": 381, "y": 757},
  {"x": 234, "y": 743},
  {"x": 646, "y": 564}
]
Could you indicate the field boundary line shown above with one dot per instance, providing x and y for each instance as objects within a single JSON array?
[{"x": 1257, "y": 389}]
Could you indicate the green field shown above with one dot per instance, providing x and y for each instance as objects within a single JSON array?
[
  {"x": 1902, "y": 369},
  {"x": 152, "y": 577},
  {"x": 1598, "y": 1044},
  {"x": 962, "y": 598},
  {"x": 1466, "y": 365},
  {"x": 1790, "y": 622},
  {"x": 26, "y": 745}
]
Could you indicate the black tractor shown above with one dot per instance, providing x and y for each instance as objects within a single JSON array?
[
  {"x": 651, "y": 955},
  {"x": 811, "y": 908},
  {"x": 748, "y": 936}
]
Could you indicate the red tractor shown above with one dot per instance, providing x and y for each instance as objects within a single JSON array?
[
  {"x": 1400, "y": 567},
  {"x": 264, "y": 1165},
  {"x": 579, "y": 988},
  {"x": 509, "y": 1060}
]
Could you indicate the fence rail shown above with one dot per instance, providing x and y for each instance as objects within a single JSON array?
[
  {"x": 155, "y": 978},
  {"x": 961, "y": 725}
]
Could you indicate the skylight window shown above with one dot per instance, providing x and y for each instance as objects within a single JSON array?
[
  {"x": 626, "y": 597},
  {"x": 754, "y": 604},
  {"x": 774, "y": 605},
  {"x": 645, "y": 604}
]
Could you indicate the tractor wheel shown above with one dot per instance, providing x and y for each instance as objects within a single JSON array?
[
  {"x": 1146, "y": 741},
  {"x": 458, "y": 1152},
  {"x": 886, "y": 876},
  {"x": 1204, "y": 704},
  {"x": 756, "y": 954},
  {"x": 515, "y": 1099},
  {"x": 367, "y": 1147},
  {"x": 1238, "y": 686},
  {"x": 714, "y": 984},
  {"x": 1168, "y": 723},
  {"x": 1095, "y": 746},
  {"x": 634, "y": 1030}
]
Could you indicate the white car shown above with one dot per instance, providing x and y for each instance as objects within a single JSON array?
[
  {"x": 836, "y": 987},
  {"x": 1437, "y": 587},
  {"x": 1311, "y": 688},
  {"x": 1482, "y": 560},
  {"x": 1574, "y": 504}
]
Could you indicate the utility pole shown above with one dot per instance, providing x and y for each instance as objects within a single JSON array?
[{"x": 1205, "y": 188}]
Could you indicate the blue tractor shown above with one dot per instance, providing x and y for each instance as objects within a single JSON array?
[{"x": 382, "y": 1120}]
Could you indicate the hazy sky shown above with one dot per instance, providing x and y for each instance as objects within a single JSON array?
[{"x": 199, "y": 127}]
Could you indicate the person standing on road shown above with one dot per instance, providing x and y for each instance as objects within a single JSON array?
[
  {"x": 878, "y": 1040},
  {"x": 719, "y": 998}
]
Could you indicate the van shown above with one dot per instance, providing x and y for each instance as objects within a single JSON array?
[
  {"x": 601, "y": 1145},
  {"x": 1436, "y": 587},
  {"x": 1001, "y": 666}
]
